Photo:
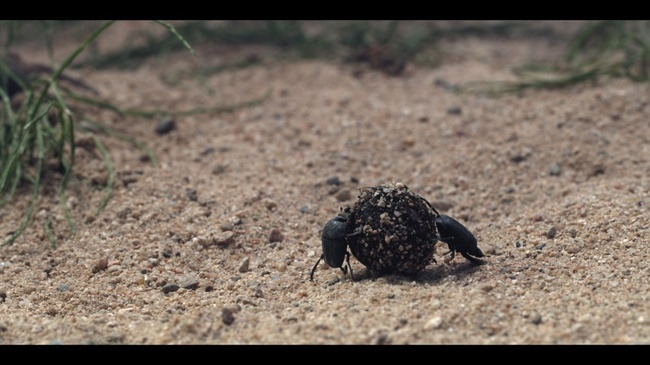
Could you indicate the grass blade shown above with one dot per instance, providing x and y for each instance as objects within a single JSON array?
[{"x": 111, "y": 174}]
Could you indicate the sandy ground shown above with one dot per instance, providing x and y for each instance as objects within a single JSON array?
[{"x": 554, "y": 184}]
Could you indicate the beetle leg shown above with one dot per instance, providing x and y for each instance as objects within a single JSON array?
[
  {"x": 452, "y": 252},
  {"x": 311, "y": 276},
  {"x": 474, "y": 260},
  {"x": 347, "y": 257},
  {"x": 356, "y": 232}
]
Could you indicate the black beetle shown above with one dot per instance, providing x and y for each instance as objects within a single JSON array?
[
  {"x": 457, "y": 237},
  {"x": 335, "y": 245}
]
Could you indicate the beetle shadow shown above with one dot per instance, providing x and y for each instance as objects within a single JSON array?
[
  {"x": 440, "y": 272},
  {"x": 428, "y": 276}
]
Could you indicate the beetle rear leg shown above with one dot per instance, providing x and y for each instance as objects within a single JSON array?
[
  {"x": 344, "y": 269},
  {"x": 311, "y": 276}
]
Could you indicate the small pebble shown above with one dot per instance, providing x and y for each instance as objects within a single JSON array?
[
  {"x": 243, "y": 266},
  {"x": 442, "y": 205},
  {"x": 165, "y": 126},
  {"x": 540, "y": 246},
  {"x": 192, "y": 195},
  {"x": 454, "y": 110},
  {"x": 275, "y": 236},
  {"x": 518, "y": 158},
  {"x": 64, "y": 288},
  {"x": 536, "y": 318},
  {"x": 304, "y": 209},
  {"x": 227, "y": 316},
  {"x": 270, "y": 204},
  {"x": 434, "y": 323},
  {"x": 208, "y": 150},
  {"x": 343, "y": 195},
  {"x": 554, "y": 169},
  {"x": 575, "y": 246},
  {"x": 333, "y": 181},
  {"x": 487, "y": 287},
  {"x": 257, "y": 292},
  {"x": 170, "y": 288},
  {"x": 518, "y": 244},
  {"x": 224, "y": 238},
  {"x": 235, "y": 220},
  {"x": 3, "y": 296},
  {"x": 209, "y": 288},
  {"x": 100, "y": 265},
  {"x": 219, "y": 169},
  {"x": 191, "y": 283},
  {"x": 551, "y": 232}
]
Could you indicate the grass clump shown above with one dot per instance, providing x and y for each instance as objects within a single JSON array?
[
  {"x": 599, "y": 49},
  {"x": 39, "y": 126}
]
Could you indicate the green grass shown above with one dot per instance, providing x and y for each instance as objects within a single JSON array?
[
  {"x": 41, "y": 128},
  {"x": 599, "y": 50}
]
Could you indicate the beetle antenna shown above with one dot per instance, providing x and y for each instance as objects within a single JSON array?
[
  {"x": 311, "y": 276},
  {"x": 431, "y": 206}
]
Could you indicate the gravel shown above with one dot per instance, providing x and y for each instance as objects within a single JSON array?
[
  {"x": 551, "y": 232},
  {"x": 243, "y": 265},
  {"x": 275, "y": 235},
  {"x": 190, "y": 283},
  {"x": 433, "y": 323},
  {"x": 224, "y": 238},
  {"x": 165, "y": 126},
  {"x": 227, "y": 316},
  {"x": 168, "y": 288},
  {"x": 343, "y": 195}
]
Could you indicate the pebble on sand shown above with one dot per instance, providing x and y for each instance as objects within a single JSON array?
[
  {"x": 224, "y": 238},
  {"x": 227, "y": 316},
  {"x": 275, "y": 236},
  {"x": 100, "y": 265},
  {"x": 243, "y": 266},
  {"x": 343, "y": 195},
  {"x": 575, "y": 246},
  {"x": 165, "y": 126},
  {"x": 434, "y": 323},
  {"x": 170, "y": 288},
  {"x": 551, "y": 232},
  {"x": 454, "y": 110},
  {"x": 191, "y": 283},
  {"x": 334, "y": 180},
  {"x": 536, "y": 318},
  {"x": 554, "y": 169}
]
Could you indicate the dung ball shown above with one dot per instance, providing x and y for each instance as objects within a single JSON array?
[{"x": 391, "y": 230}]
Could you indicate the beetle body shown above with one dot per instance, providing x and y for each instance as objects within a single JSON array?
[
  {"x": 335, "y": 245},
  {"x": 458, "y": 238}
]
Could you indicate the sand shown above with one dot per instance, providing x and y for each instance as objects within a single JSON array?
[{"x": 215, "y": 244}]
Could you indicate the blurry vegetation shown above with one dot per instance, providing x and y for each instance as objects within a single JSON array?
[
  {"x": 598, "y": 50},
  {"x": 41, "y": 127},
  {"x": 37, "y": 125}
]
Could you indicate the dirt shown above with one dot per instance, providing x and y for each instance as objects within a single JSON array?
[{"x": 216, "y": 242}]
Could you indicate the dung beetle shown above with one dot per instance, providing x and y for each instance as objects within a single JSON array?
[
  {"x": 335, "y": 245},
  {"x": 457, "y": 237}
]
